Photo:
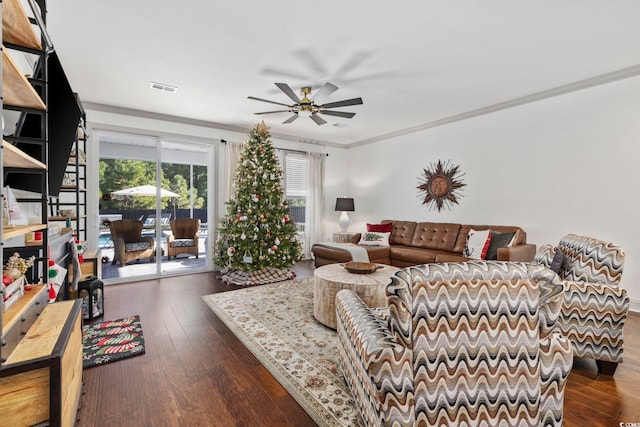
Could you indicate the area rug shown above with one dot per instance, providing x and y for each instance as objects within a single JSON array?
[
  {"x": 276, "y": 323},
  {"x": 111, "y": 341}
]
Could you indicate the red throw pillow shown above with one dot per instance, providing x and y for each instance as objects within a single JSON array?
[{"x": 380, "y": 228}]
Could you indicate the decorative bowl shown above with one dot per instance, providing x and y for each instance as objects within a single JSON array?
[{"x": 360, "y": 267}]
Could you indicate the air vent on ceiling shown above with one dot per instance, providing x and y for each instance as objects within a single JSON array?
[{"x": 164, "y": 87}]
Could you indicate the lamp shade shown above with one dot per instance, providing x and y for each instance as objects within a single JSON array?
[{"x": 344, "y": 204}]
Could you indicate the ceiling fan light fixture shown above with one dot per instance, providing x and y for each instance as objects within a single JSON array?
[{"x": 307, "y": 107}]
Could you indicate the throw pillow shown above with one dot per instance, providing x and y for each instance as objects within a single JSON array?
[
  {"x": 380, "y": 228},
  {"x": 556, "y": 263},
  {"x": 498, "y": 240},
  {"x": 477, "y": 244},
  {"x": 370, "y": 238}
]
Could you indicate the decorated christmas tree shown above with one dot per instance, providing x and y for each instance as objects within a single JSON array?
[{"x": 257, "y": 238}]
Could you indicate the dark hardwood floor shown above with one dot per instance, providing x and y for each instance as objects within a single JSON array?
[{"x": 196, "y": 373}]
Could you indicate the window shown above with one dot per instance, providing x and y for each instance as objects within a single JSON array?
[{"x": 295, "y": 188}]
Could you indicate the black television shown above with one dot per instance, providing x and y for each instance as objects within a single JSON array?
[{"x": 64, "y": 115}]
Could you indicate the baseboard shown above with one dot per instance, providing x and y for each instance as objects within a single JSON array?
[{"x": 634, "y": 305}]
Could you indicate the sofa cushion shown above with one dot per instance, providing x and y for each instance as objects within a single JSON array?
[
  {"x": 387, "y": 227},
  {"x": 557, "y": 261},
  {"x": 498, "y": 240},
  {"x": 379, "y": 254},
  {"x": 477, "y": 244},
  {"x": 518, "y": 239},
  {"x": 450, "y": 257},
  {"x": 137, "y": 246},
  {"x": 409, "y": 254},
  {"x": 182, "y": 243},
  {"x": 433, "y": 235},
  {"x": 402, "y": 232},
  {"x": 371, "y": 238}
]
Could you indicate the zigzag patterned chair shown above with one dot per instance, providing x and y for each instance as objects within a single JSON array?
[
  {"x": 464, "y": 344},
  {"x": 594, "y": 307}
]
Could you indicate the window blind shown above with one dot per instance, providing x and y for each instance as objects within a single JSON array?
[{"x": 295, "y": 176}]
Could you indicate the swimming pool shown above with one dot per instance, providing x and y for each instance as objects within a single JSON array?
[{"x": 104, "y": 239}]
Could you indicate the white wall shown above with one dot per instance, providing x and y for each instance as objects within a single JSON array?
[{"x": 568, "y": 164}]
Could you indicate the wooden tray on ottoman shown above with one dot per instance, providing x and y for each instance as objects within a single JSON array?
[{"x": 360, "y": 267}]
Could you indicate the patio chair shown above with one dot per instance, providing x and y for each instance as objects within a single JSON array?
[
  {"x": 184, "y": 237},
  {"x": 128, "y": 242}
]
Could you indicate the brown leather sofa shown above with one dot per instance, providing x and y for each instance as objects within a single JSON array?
[{"x": 413, "y": 243}]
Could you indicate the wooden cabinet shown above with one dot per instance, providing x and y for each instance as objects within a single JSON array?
[
  {"x": 90, "y": 266},
  {"x": 41, "y": 380}
]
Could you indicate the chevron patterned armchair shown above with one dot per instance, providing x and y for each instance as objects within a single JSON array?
[
  {"x": 463, "y": 344},
  {"x": 594, "y": 306}
]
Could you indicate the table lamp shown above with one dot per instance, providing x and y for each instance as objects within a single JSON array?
[{"x": 344, "y": 205}]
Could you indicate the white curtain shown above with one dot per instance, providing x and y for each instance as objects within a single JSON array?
[
  {"x": 232, "y": 154},
  {"x": 314, "y": 230}
]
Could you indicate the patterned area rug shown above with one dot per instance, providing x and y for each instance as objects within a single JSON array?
[
  {"x": 276, "y": 323},
  {"x": 111, "y": 341}
]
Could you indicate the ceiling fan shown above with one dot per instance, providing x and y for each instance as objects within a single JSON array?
[{"x": 308, "y": 107}]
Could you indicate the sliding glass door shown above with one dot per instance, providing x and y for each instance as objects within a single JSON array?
[
  {"x": 157, "y": 187},
  {"x": 185, "y": 167}
]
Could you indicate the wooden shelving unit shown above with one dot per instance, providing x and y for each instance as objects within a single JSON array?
[
  {"x": 41, "y": 351},
  {"x": 21, "y": 230},
  {"x": 15, "y": 26},
  {"x": 15, "y": 158},
  {"x": 74, "y": 196},
  {"x": 16, "y": 89}
]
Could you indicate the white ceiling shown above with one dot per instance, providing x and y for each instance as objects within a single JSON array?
[{"x": 415, "y": 63}]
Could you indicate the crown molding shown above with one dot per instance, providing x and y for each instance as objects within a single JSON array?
[{"x": 195, "y": 122}]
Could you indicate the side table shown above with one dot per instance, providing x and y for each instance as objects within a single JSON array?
[
  {"x": 91, "y": 291},
  {"x": 331, "y": 278},
  {"x": 346, "y": 237}
]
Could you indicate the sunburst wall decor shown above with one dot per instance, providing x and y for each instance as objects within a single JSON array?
[{"x": 440, "y": 185}]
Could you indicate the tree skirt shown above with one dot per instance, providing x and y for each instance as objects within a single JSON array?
[
  {"x": 111, "y": 341},
  {"x": 276, "y": 324},
  {"x": 260, "y": 277}
]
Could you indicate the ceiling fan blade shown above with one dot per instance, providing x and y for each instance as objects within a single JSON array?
[
  {"x": 354, "y": 61},
  {"x": 266, "y": 100},
  {"x": 337, "y": 113},
  {"x": 283, "y": 73},
  {"x": 306, "y": 55},
  {"x": 319, "y": 120},
  {"x": 287, "y": 91},
  {"x": 269, "y": 112},
  {"x": 346, "y": 102},
  {"x": 290, "y": 119},
  {"x": 326, "y": 90}
]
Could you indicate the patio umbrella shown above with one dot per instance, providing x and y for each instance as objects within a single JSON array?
[{"x": 145, "y": 190}]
